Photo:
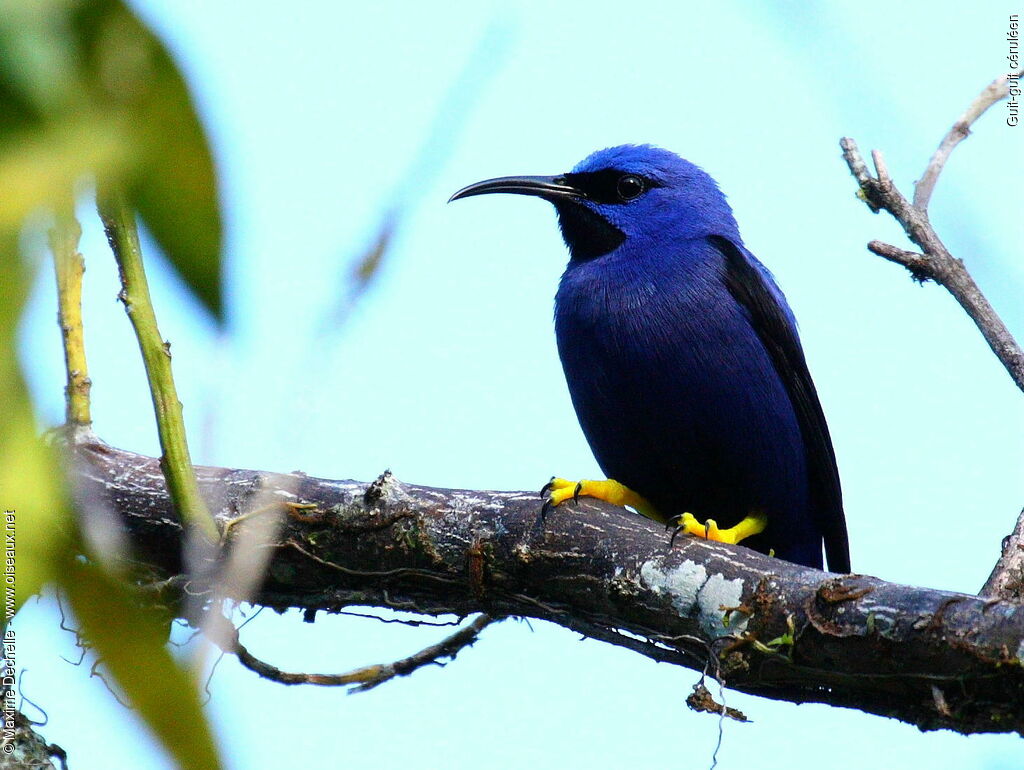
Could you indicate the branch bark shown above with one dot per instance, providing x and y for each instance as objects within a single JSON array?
[
  {"x": 1007, "y": 579},
  {"x": 25, "y": 749},
  {"x": 931, "y": 658}
]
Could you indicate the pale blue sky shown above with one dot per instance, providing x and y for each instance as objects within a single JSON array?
[{"x": 325, "y": 115}]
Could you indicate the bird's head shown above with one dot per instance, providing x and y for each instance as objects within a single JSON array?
[{"x": 631, "y": 193}]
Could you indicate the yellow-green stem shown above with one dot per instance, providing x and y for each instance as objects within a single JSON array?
[
  {"x": 119, "y": 223},
  {"x": 69, "y": 266}
]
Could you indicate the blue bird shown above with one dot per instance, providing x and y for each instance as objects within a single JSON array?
[{"x": 683, "y": 360}]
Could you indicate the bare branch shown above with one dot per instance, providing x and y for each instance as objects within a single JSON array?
[
  {"x": 881, "y": 169},
  {"x": 935, "y": 262},
  {"x": 764, "y": 626},
  {"x": 852, "y": 156},
  {"x": 994, "y": 92},
  {"x": 917, "y": 264}
]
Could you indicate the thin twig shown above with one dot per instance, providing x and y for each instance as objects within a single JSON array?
[
  {"x": 935, "y": 262},
  {"x": 225, "y": 636},
  {"x": 881, "y": 169},
  {"x": 400, "y": 621},
  {"x": 387, "y": 573},
  {"x": 916, "y": 263},
  {"x": 122, "y": 233},
  {"x": 69, "y": 266},
  {"x": 853, "y": 159},
  {"x": 994, "y": 92}
]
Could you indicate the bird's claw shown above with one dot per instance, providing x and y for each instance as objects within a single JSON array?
[
  {"x": 550, "y": 491},
  {"x": 687, "y": 523},
  {"x": 547, "y": 487},
  {"x": 557, "y": 491},
  {"x": 545, "y": 509},
  {"x": 684, "y": 523}
]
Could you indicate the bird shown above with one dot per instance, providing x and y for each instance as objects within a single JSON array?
[{"x": 683, "y": 360}]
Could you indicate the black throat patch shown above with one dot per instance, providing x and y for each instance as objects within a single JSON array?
[{"x": 587, "y": 234}]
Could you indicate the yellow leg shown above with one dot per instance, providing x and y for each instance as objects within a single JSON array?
[
  {"x": 557, "y": 491},
  {"x": 751, "y": 525}
]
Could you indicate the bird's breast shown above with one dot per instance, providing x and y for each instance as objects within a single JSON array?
[{"x": 631, "y": 314}]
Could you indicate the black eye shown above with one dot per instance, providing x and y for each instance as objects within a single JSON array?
[{"x": 630, "y": 186}]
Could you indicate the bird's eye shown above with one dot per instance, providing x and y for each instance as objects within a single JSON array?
[{"x": 630, "y": 186}]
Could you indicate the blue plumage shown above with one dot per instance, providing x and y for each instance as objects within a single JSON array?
[{"x": 682, "y": 356}]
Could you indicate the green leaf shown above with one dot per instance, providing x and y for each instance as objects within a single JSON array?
[
  {"x": 131, "y": 643},
  {"x": 173, "y": 187}
]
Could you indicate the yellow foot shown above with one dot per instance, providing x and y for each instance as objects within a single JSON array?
[
  {"x": 752, "y": 525},
  {"x": 557, "y": 491}
]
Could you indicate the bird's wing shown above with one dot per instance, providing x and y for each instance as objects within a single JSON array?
[{"x": 776, "y": 328}]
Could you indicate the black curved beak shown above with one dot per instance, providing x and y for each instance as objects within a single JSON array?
[{"x": 547, "y": 187}]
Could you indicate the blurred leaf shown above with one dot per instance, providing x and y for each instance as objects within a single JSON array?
[
  {"x": 35, "y": 505},
  {"x": 174, "y": 185},
  {"x": 362, "y": 274},
  {"x": 131, "y": 644},
  {"x": 50, "y": 137},
  {"x": 367, "y": 265},
  {"x": 38, "y": 169},
  {"x": 38, "y": 62},
  {"x": 85, "y": 83}
]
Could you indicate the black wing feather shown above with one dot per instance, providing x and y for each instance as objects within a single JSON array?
[{"x": 748, "y": 287}]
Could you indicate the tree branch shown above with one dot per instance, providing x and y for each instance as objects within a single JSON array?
[
  {"x": 1007, "y": 579},
  {"x": 932, "y": 658},
  {"x": 935, "y": 262},
  {"x": 994, "y": 92},
  {"x": 224, "y": 635}
]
